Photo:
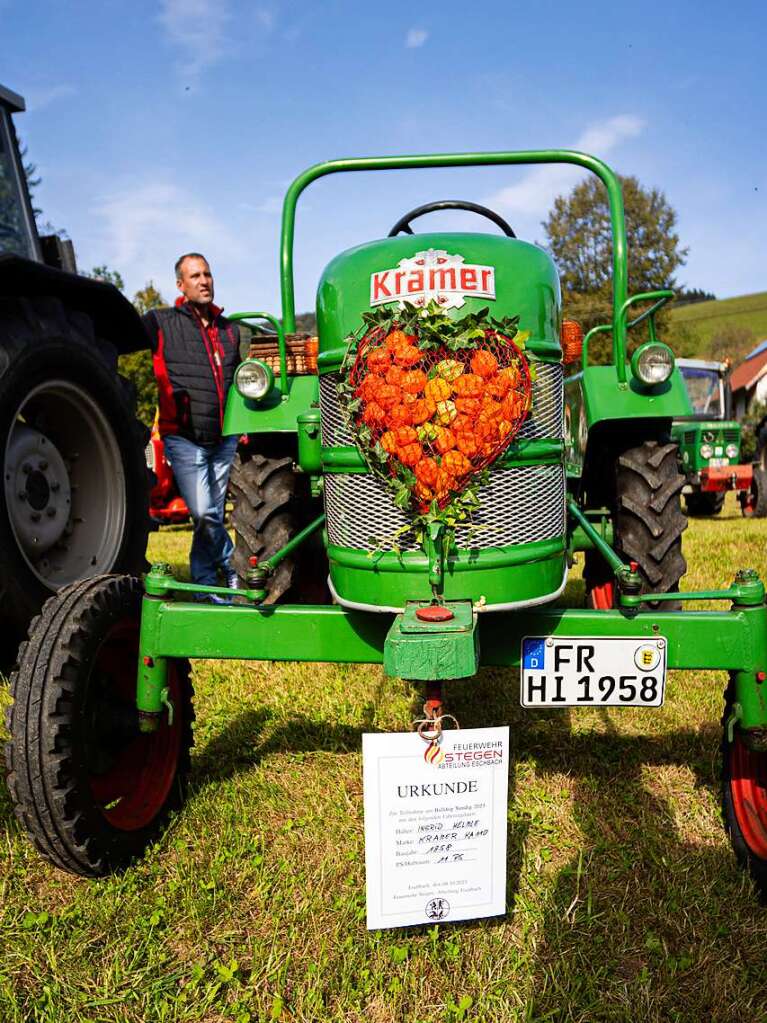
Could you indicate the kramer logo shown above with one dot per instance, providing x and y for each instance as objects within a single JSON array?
[{"x": 433, "y": 274}]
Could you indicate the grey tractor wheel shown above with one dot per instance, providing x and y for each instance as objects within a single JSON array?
[
  {"x": 271, "y": 504},
  {"x": 648, "y": 523},
  {"x": 74, "y": 497},
  {"x": 702, "y": 505},
  {"x": 87, "y": 786},
  {"x": 744, "y": 800}
]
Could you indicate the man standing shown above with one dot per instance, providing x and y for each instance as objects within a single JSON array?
[{"x": 195, "y": 353}]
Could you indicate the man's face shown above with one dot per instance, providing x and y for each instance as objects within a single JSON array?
[{"x": 195, "y": 281}]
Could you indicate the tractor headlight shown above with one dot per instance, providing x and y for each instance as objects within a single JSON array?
[
  {"x": 731, "y": 451},
  {"x": 706, "y": 451},
  {"x": 253, "y": 379},
  {"x": 652, "y": 363}
]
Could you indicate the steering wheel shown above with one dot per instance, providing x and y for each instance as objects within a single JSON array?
[{"x": 403, "y": 224}]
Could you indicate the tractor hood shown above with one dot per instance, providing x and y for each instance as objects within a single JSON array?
[{"x": 461, "y": 272}]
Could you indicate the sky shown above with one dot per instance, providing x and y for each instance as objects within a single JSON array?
[{"x": 164, "y": 127}]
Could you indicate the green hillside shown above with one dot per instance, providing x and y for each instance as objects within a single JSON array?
[{"x": 726, "y": 326}]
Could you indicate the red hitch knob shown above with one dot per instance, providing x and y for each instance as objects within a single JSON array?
[
  {"x": 634, "y": 566},
  {"x": 434, "y": 613},
  {"x": 253, "y": 561}
]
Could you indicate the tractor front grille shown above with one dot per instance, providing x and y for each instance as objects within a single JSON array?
[
  {"x": 518, "y": 505},
  {"x": 545, "y": 419}
]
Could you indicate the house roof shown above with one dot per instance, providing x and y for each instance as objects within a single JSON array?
[{"x": 748, "y": 372}]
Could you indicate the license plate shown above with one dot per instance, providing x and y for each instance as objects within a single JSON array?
[
  {"x": 718, "y": 463},
  {"x": 604, "y": 672}
]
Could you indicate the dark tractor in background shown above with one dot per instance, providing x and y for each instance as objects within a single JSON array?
[{"x": 74, "y": 498}]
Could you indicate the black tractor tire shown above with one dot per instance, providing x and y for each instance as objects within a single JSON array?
[
  {"x": 648, "y": 523},
  {"x": 271, "y": 503},
  {"x": 753, "y": 502},
  {"x": 704, "y": 504},
  {"x": 87, "y": 786},
  {"x": 744, "y": 800},
  {"x": 74, "y": 500}
]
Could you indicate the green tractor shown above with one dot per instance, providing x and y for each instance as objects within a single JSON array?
[
  {"x": 73, "y": 501},
  {"x": 709, "y": 440},
  {"x": 416, "y": 486}
]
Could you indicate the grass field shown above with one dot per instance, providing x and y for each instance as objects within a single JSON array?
[
  {"x": 701, "y": 321},
  {"x": 624, "y": 901}
]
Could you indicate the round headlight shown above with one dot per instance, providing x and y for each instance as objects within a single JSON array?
[
  {"x": 706, "y": 451},
  {"x": 253, "y": 379},
  {"x": 731, "y": 451},
  {"x": 653, "y": 363}
]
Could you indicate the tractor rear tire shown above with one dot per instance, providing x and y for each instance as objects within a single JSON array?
[
  {"x": 648, "y": 523},
  {"x": 744, "y": 801},
  {"x": 74, "y": 498},
  {"x": 271, "y": 504},
  {"x": 753, "y": 502},
  {"x": 87, "y": 786},
  {"x": 704, "y": 504}
]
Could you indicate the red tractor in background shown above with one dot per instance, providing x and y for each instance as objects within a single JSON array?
[{"x": 166, "y": 505}]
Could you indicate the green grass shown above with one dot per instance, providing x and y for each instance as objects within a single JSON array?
[
  {"x": 625, "y": 902},
  {"x": 701, "y": 321}
]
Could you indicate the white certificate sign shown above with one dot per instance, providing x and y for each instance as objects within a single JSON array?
[{"x": 435, "y": 826}]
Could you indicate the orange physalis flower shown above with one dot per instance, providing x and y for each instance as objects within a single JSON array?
[
  {"x": 445, "y": 483},
  {"x": 387, "y": 396},
  {"x": 394, "y": 375},
  {"x": 467, "y": 444},
  {"x": 413, "y": 381},
  {"x": 497, "y": 386},
  {"x": 378, "y": 360},
  {"x": 389, "y": 442},
  {"x": 490, "y": 409},
  {"x": 483, "y": 363},
  {"x": 373, "y": 414},
  {"x": 468, "y": 386},
  {"x": 405, "y": 435},
  {"x": 370, "y": 384},
  {"x": 468, "y": 406},
  {"x": 445, "y": 441},
  {"x": 438, "y": 389},
  {"x": 407, "y": 355},
  {"x": 456, "y": 464},
  {"x": 400, "y": 416},
  {"x": 510, "y": 373},
  {"x": 461, "y": 424},
  {"x": 423, "y": 494},
  {"x": 426, "y": 472},
  {"x": 504, "y": 428},
  {"x": 410, "y": 454},
  {"x": 486, "y": 431},
  {"x": 422, "y": 409},
  {"x": 397, "y": 338}
]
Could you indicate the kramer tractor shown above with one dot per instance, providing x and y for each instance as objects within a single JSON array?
[
  {"x": 443, "y": 453},
  {"x": 73, "y": 501},
  {"x": 709, "y": 443}
]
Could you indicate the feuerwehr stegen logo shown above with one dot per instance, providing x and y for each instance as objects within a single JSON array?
[{"x": 432, "y": 275}]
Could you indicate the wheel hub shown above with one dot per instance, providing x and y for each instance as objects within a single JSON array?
[{"x": 37, "y": 490}]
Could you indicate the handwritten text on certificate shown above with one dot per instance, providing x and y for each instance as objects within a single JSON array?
[{"x": 435, "y": 826}]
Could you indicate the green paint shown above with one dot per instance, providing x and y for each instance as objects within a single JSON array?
[
  {"x": 309, "y": 441},
  {"x": 689, "y": 436},
  {"x": 276, "y": 413},
  {"x": 283, "y": 386},
  {"x": 424, "y": 651}
]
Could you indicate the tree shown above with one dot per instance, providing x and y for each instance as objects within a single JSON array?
[
  {"x": 103, "y": 273},
  {"x": 580, "y": 241},
  {"x": 138, "y": 365}
]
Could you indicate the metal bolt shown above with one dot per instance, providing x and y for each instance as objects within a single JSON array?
[
  {"x": 661, "y": 643},
  {"x": 22, "y": 495},
  {"x": 549, "y": 642},
  {"x": 35, "y": 516},
  {"x": 50, "y": 512},
  {"x": 55, "y": 486}
]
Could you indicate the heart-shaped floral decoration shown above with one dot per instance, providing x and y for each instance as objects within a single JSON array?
[{"x": 431, "y": 409}]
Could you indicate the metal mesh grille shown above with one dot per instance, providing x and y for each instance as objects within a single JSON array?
[
  {"x": 518, "y": 505},
  {"x": 545, "y": 419}
]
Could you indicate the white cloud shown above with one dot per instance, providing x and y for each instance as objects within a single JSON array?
[
  {"x": 144, "y": 228},
  {"x": 197, "y": 28},
  {"x": 415, "y": 37},
  {"x": 272, "y": 204},
  {"x": 535, "y": 193},
  {"x": 38, "y": 99}
]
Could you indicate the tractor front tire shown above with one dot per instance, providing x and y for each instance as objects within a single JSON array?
[
  {"x": 74, "y": 500},
  {"x": 89, "y": 788},
  {"x": 272, "y": 503},
  {"x": 648, "y": 523},
  {"x": 744, "y": 801},
  {"x": 704, "y": 504}
]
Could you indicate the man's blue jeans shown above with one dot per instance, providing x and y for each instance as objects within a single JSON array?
[{"x": 202, "y": 475}]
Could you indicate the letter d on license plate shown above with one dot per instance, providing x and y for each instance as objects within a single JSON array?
[{"x": 607, "y": 672}]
